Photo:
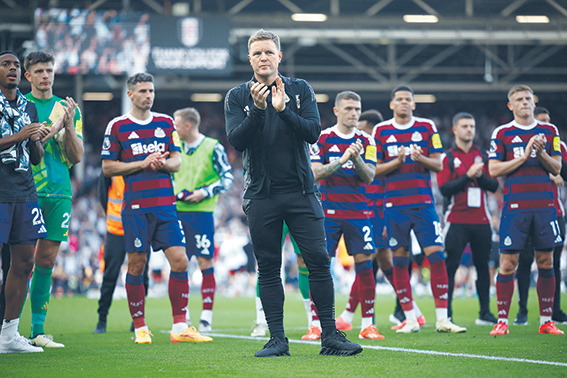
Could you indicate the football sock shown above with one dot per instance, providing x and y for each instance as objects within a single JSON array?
[
  {"x": 389, "y": 274},
  {"x": 307, "y": 305},
  {"x": 366, "y": 289},
  {"x": 303, "y": 282},
  {"x": 260, "y": 316},
  {"x": 208, "y": 288},
  {"x": 136, "y": 294},
  {"x": 504, "y": 291},
  {"x": 178, "y": 327},
  {"x": 439, "y": 283},
  {"x": 39, "y": 298},
  {"x": 402, "y": 283},
  {"x": 546, "y": 293},
  {"x": 178, "y": 295},
  {"x": 353, "y": 297}
]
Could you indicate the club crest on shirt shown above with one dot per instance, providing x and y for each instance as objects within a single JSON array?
[
  {"x": 507, "y": 241},
  {"x": 478, "y": 159},
  {"x": 159, "y": 133},
  {"x": 416, "y": 137}
]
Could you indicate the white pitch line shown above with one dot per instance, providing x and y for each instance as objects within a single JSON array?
[{"x": 393, "y": 349}]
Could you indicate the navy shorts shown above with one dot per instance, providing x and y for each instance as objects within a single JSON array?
[
  {"x": 357, "y": 234},
  {"x": 516, "y": 226},
  {"x": 21, "y": 223},
  {"x": 199, "y": 228},
  {"x": 423, "y": 220},
  {"x": 160, "y": 230},
  {"x": 378, "y": 224}
]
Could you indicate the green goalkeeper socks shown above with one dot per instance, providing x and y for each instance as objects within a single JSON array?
[{"x": 39, "y": 297}]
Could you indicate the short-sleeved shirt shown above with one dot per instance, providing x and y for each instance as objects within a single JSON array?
[
  {"x": 128, "y": 139},
  {"x": 469, "y": 206},
  {"x": 51, "y": 175},
  {"x": 410, "y": 184},
  {"x": 18, "y": 186},
  {"x": 528, "y": 188},
  {"x": 343, "y": 193},
  {"x": 559, "y": 208}
]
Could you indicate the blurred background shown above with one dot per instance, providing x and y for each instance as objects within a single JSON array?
[{"x": 457, "y": 55}]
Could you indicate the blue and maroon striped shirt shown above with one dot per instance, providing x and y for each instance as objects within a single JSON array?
[
  {"x": 128, "y": 139},
  {"x": 410, "y": 184},
  {"x": 529, "y": 186},
  {"x": 343, "y": 193}
]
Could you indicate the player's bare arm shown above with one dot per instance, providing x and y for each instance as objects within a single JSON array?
[
  {"x": 278, "y": 95},
  {"x": 322, "y": 171},
  {"x": 73, "y": 144},
  {"x": 259, "y": 94},
  {"x": 551, "y": 163},
  {"x": 36, "y": 148},
  {"x": 500, "y": 168},
  {"x": 383, "y": 168},
  {"x": 25, "y": 132},
  {"x": 169, "y": 164},
  {"x": 118, "y": 168},
  {"x": 431, "y": 162},
  {"x": 364, "y": 170}
]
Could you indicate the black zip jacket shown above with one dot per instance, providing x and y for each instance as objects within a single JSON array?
[{"x": 272, "y": 139}]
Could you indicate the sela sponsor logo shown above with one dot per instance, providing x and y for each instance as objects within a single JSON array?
[
  {"x": 334, "y": 148},
  {"x": 136, "y": 304},
  {"x": 442, "y": 286},
  {"x": 133, "y": 135},
  {"x": 185, "y": 295},
  {"x": 208, "y": 290},
  {"x": 547, "y": 299},
  {"x": 139, "y": 148}
]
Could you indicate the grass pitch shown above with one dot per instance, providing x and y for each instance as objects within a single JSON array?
[{"x": 523, "y": 353}]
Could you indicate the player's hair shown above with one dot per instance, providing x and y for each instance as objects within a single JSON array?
[
  {"x": 262, "y": 35},
  {"x": 346, "y": 95},
  {"x": 372, "y": 116},
  {"x": 140, "y": 77},
  {"x": 401, "y": 88},
  {"x": 519, "y": 88},
  {"x": 540, "y": 110},
  {"x": 5, "y": 52},
  {"x": 37, "y": 57},
  {"x": 190, "y": 115},
  {"x": 460, "y": 115}
]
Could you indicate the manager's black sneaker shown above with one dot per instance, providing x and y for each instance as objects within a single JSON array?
[
  {"x": 522, "y": 317},
  {"x": 336, "y": 344},
  {"x": 100, "y": 327},
  {"x": 559, "y": 317},
  {"x": 274, "y": 348}
]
